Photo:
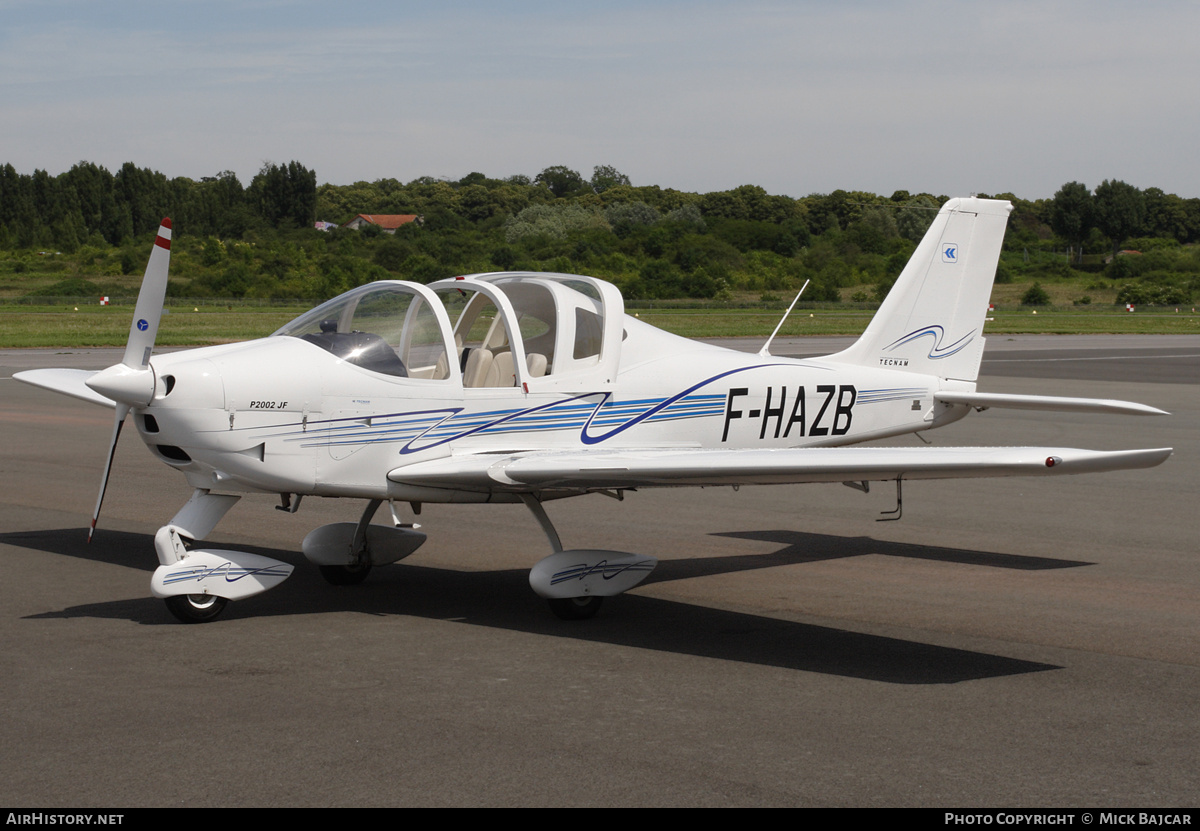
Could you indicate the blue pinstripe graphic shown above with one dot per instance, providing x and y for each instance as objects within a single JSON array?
[
  {"x": 937, "y": 351},
  {"x": 232, "y": 573},
  {"x": 423, "y": 429}
]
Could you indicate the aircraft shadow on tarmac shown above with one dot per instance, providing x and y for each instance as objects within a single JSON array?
[
  {"x": 800, "y": 547},
  {"x": 502, "y": 599}
]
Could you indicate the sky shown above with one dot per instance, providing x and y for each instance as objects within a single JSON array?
[{"x": 946, "y": 96}]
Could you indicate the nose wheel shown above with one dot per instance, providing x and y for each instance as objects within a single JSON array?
[{"x": 196, "y": 608}]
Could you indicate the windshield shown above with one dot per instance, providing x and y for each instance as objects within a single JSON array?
[{"x": 386, "y": 327}]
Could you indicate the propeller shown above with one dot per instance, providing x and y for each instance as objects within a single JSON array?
[{"x": 131, "y": 383}]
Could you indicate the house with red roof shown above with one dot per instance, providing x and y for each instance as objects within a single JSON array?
[{"x": 388, "y": 222}]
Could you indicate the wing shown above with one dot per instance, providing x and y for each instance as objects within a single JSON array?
[{"x": 580, "y": 470}]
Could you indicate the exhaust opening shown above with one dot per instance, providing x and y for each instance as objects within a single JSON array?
[{"x": 172, "y": 453}]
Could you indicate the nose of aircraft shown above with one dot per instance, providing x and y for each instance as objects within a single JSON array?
[
  {"x": 194, "y": 384},
  {"x": 124, "y": 384}
]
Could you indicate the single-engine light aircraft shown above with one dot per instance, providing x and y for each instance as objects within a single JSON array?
[{"x": 527, "y": 387}]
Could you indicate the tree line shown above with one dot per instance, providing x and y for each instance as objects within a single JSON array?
[
  {"x": 1118, "y": 211},
  {"x": 654, "y": 242},
  {"x": 89, "y": 205}
]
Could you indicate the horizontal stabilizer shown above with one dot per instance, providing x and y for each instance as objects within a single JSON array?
[
  {"x": 72, "y": 382},
  {"x": 1048, "y": 402}
]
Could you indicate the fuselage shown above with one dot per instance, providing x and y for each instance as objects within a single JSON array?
[{"x": 287, "y": 414}]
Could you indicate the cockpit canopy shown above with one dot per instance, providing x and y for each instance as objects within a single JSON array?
[
  {"x": 388, "y": 327},
  {"x": 484, "y": 331}
]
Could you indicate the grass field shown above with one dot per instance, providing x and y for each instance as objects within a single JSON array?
[
  {"x": 1060, "y": 321},
  {"x": 47, "y": 326},
  {"x": 1081, "y": 304},
  {"x": 184, "y": 325}
]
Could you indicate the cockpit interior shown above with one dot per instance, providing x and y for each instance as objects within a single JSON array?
[{"x": 480, "y": 331}]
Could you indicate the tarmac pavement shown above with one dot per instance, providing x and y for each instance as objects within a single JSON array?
[{"x": 1009, "y": 643}]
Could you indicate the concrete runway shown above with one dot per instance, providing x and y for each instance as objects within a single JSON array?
[{"x": 1009, "y": 643}]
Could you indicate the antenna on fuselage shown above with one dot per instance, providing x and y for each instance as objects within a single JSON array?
[{"x": 763, "y": 352}]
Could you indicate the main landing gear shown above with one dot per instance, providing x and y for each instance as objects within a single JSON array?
[
  {"x": 346, "y": 551},
  {"x": 197, "y": 584},
  {"x": 346, "y": 575},
  {"x": 575, "y": 608},
  {"x": 575, "y": 582}
]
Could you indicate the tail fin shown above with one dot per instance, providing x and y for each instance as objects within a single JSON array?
[{"x": 932, "y": 319}]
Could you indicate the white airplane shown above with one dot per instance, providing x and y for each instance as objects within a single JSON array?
[{"x": 527, "y": 387}]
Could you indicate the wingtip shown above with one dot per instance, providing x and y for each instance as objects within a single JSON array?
[{"x": 1135, "y": 408}]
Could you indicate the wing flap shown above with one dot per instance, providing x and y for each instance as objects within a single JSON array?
[{"x": 577, "y": 470}]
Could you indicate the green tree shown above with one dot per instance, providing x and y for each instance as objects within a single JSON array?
[
  {"x": 1166, "y": 215},
  {"x": 92, "y": 186},
  {"x": 1036, "y": 296},
  {"x": 473, "y": 178},
  {"x": 555, "y": 221},
  {"x": 606, "y": 176},
  {"x": 917, "y": 214},
  {"x": 688, "y": 217},
  {"x": 838, "y": 210},
  {"x": 560, "y": 180},
  {"x": 749, "y": 202},
  {"x": 17, "y": 214},
  {"x": 145, "y": 192},
  {"x": 625, "y": 216},
  {"x": 285, "y": 196},
  {"x": 215, "y": 205},
  {"x": 1071, "y": 214},
  {"x": 477, "y": 203},
  {"x": 882, "y": 221},
  {"x": 1120, "y": 211}
]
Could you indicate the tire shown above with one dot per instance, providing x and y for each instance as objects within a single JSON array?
[
  {"x": 196, "y": 608},
  {"x": 345, "y": 575},
  {"x": 576, "y": 608}
]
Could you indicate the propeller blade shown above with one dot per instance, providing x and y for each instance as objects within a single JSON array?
[
  {"x": 148, "y": 312},
  {"x": 132, "y": 381},
  {"x": 122, "y": 410}
]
